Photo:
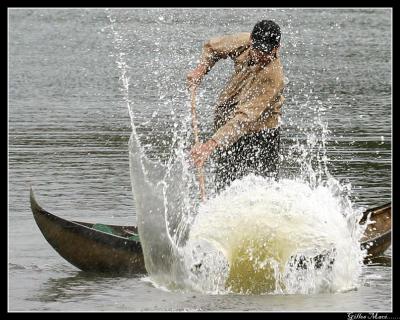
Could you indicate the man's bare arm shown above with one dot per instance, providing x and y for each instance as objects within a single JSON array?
[{"x": 213, "y": 50}]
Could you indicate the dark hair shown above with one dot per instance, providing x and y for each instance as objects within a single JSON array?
[{"x": 266, "y": 35}]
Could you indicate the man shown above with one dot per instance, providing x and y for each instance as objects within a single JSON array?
[{"x": 247, "y": 116}]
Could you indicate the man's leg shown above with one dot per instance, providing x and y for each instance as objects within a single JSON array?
[
  {"x": 267, "y": 153},
  {"x": 255, "y": 153},
  {"x": 231, "y": 163}
]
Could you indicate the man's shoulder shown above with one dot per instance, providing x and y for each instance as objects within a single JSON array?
[
  {"x": 242, "y": 36},
  {"x": 234, "y": 39},
  {"x": 274, "y": 71}
]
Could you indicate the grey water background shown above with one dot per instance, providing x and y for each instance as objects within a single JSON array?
[{"x": 69, "y": 128}]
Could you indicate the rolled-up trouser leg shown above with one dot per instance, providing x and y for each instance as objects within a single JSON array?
[{"x": 256, "y": 153}]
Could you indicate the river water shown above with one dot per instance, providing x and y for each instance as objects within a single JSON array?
[{"x": 69, "y": 128}]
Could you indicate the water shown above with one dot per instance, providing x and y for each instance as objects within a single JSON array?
[
  {"x": 286, "y": 229},
  {"x": 69, "y": 129}
]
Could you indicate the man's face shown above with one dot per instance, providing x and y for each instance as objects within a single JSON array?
[{"x": 259, "y": 56}]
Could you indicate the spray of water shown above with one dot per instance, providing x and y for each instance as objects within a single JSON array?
[
  {"x": 275, "y": 237},
  {"x": 296, "y": 235}
]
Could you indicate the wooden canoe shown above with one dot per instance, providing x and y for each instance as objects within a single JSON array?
[
  {"x": 116, "y": 249},
  {"x": 377, "y": 237},
  {"x": 89, "y": 249}
]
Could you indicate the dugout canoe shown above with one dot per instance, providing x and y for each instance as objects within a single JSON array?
[
  {"x": 115, "y": 249},
  {"x": 377, "y": 237},
  {"x": 89, "y": 246}
]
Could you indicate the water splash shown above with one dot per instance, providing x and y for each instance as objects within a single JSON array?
[
  {"x": 276, "y": 237},
  {"x": 298, "y": 235},
  {"x": 163, "y": 215}
]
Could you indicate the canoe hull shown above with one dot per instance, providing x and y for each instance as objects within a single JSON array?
[
  {"x": 378, "y": 235},
  {"x": 86, "y": 248},
  {"x": 95, "y": 251}
]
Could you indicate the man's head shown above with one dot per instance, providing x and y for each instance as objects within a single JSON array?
[{"x": 266, "y": 36}]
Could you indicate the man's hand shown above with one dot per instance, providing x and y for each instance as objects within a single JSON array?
[
  {"x": 194, "y": 77},
  {"x": 201, "y": 151}
]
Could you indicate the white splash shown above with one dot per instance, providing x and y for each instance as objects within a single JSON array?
[{"x": 253, "y": 232}]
